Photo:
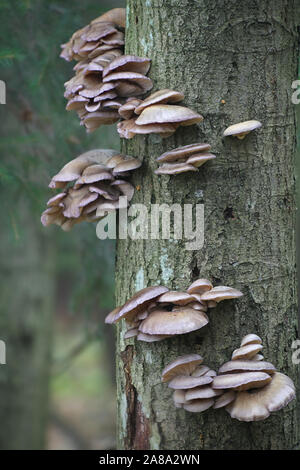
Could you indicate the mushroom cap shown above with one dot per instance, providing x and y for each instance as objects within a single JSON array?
[
  {"x": 160, "y": 96},
  {"x": 183, "y": 152},
  {"x": 197, "y": 406},
  {"x": 73, "y": 169},
  {"x": 179, "y": 397},
  {"x": 246, "y": 352},
  {"x": 183, "y": 320},
  {"x": 241, "y": 381},
  {"x": 127, "y": 110},
  {"x": 109, "y": 319},
  {"x": 127, "y": 165},
  {"x": 138, "y": 79},
  {"x": 251, "y": 339},
  {"x": 162, "y": 113},
  {"x": 128, "y": 63},
  {"x": 258, "y": 404},
  {"x": 174, "y": 168},
  {"x": 126, "y": 188},
  {"x": 225, "y": 399},
  {"x": 247, "y": 365},
  {"x": 205, "y": 391},
  {"x": 94, "y": 120},
  {"x": 150, "y": 338},
  {"x": 184, "y": 382},
  {"x": 221, "y": 293},
  {"x": 182, "y": 365},
  {"x": 198, "y": 159},
  {"x": 176, "y": 298},
  {"x": 200, "y": 286},
  {"x": 242, "y": 128},
  {"x": 131, "y": 333},
  {"x": 257, "y": 357},
  {"x": 129, "y": 128},
  {"x": 199, "y": 371},
  {"x": 138, "y": 301},
  {"x": 116, "y": 16}
]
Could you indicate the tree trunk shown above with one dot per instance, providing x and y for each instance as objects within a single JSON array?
[
  {"x": 26, "y": 309},
  {"x": 244, "y": 53}
]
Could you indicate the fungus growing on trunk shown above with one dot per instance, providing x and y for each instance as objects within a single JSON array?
[
  {"x": 96, "y": 188},
  {"x": 253, "y": 387},
  {"x": 241, "y": 129}
]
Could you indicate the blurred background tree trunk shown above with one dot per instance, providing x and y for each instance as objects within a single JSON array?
[
  {"x": 26, "y": 313},
  {"x": 233, "y": 63}
]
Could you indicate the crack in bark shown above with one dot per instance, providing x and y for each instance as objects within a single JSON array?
[{"x": 138, "y": 425}]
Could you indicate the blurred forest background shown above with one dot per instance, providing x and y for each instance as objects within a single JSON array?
[
  {"x": 57, "y": 390},
  {"x": 56, "y": 287}
]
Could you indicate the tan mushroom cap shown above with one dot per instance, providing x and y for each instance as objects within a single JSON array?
[
  {"x": 127, "y": 165},
  {"x": 139, "y": 80},
  {"x": 183, "y": 320},
  {"x": 124, "y": 187},
  {"x": 160, "y": 96},
  {"x": 73, "y": 170},
  {"x": 241, "y": 129},
  {"x": 183, "y": 152},
  {"x": 116, "y": 16},
  {"x": 179, "y": 397},
  {"x": 127, "y": 110},
  {"x": 258, "y": 404},
  {"x": 184, "y": 382},
  {"x": 202, "y": 392},
  {"x": 200, "y": 286},
  {"x": 221, "y": 293},
  {"x": 199, "y": 159},
  {"x": 131, "y": 333},
  {"x": 257, "y": 357},
  {"x": 163, "y": 113},
  {"x": 150, "y": 338},
  {"x": 138, "y": 301},
  {"x": 174, "y": 169},
  {"x": 92, "y": 120},
  {"x": 247, "y": 365},
  {"x": 109, "y": 319},
  {"x": 176, "y": 298},
  {"x": 183, "y": 365},
  {"x": 199, "y": 371},
  {"x": 128, "y": 129},
  {"x": 241, "y": 381},
  {"x": 246, "y": 352},
  {"x": 225, "y": 399},
  {"x": 251, "y": 339},
  {"x": 197, "y": 406},
  {"x": 128, "y": 63}
]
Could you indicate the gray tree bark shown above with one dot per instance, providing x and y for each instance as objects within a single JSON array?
[{"x": 246, "y": 54}]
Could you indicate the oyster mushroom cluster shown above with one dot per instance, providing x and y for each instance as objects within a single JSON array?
[
  {"x": 92, "y": 185},
  {"x": 156, "y": 313},
  {"x": 104, "y": 77},
  {"x": 184, "y": 159},
  {"x": 157, "y": 114},
  {"x": 191, "y": 382},
  {"x": 252, "y": 389}
]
